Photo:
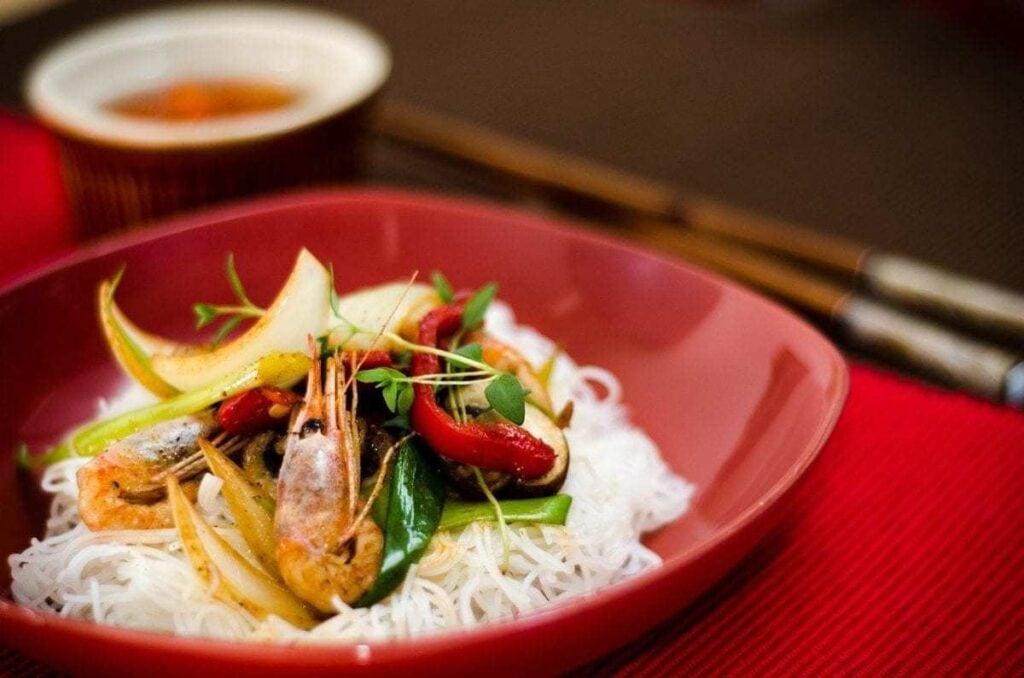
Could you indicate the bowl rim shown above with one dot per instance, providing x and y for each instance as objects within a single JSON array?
[
  {"x": 89, "y": 122},
  {"x": 367, "y": 653}
]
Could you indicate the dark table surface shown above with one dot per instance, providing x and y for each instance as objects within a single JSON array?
[{"x": 874, "y": 120}]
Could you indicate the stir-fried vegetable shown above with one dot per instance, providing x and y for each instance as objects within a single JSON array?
[
  {"x": 546, "y": 510},
  {"x": 299, "y": 311},
  {"x": 414, "y": 503},
  {"x": 500, "y": 446},
  {"x": 252, "y": 508},
  {"x": 277, "y": 369},
  {"x": 233, "y": 578},
  {"x": 256, "y": 409},
  {"x": 369, "y": 316},
  {"x": 131, "y": 346},
  {"x": 307, "y": 526}
]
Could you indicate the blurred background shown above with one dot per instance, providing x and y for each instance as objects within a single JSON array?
[{"x": 896, "y": 124}]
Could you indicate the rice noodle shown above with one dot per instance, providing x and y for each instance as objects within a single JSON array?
[{"x": 619, "y": 484}]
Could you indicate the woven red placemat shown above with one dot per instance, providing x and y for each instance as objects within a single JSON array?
[{"x": 902, "y": 553}]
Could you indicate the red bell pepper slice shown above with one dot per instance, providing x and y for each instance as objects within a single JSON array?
[
  {"x": 367, "y": 360},
  {"x": 253, "y": 410},
  {"x": 500, "y": 446}
]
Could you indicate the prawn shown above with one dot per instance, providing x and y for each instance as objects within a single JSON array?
[
  {"x": 325, "y": 545},
  {"x": 122, "y": 488}
]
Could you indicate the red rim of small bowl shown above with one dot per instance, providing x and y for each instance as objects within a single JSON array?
[{"x": 383, "y": 651}]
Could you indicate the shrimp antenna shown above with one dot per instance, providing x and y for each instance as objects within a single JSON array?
[{"x": 378, "y": 485}]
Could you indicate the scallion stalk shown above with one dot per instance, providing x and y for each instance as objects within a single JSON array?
[{"x": 276, "y": 369}]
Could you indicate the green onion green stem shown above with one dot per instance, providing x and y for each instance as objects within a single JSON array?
[
  {"x": 276, "y": 369},
  {"x": 544, "y": 510}
]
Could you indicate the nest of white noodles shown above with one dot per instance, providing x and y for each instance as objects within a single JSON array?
[{"x": 620, "y": 487}]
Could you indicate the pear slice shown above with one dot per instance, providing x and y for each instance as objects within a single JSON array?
[
  {"x": 369, "y": 309},
  {"x": 299, "y": 312}
]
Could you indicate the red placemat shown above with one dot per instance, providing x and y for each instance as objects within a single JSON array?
[{"x": 902, "y": 552}]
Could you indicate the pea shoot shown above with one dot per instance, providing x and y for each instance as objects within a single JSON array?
[
  {"x": 234, "y": 314},
  {"x": 465, "y": 364},
  {"x": 442, "y": 286}
]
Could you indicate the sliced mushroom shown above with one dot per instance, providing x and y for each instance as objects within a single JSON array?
[
  {"x": 463, "y": 480},
  {"x": 376, "y": 443},
  {"x": 539, "y": 425}
]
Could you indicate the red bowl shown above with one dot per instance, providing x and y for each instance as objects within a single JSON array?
[{"x": 739, "y": 394}]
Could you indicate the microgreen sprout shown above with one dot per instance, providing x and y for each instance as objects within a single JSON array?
[
  {"x": 499, "y": 516},
  {"x": 476, "y": 307},
  {"x": 508, "y": 397},
  {"x": 464, "y": 364},
  {"x": 456, "y": 404},
  {"x": 442, "y": 286},
  {"x": 234, "y": 314},
  {"x": 395, "y": 387},
  {"x": 474, "y": 352}
]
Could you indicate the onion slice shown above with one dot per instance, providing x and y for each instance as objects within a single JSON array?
[
  {"x": 233, "y": 578},
  {"x": 251, "y": 506},
  {"x": 300, "y": 311},
  {"x": 380, "y": 308},
  {"x": 130, "y": 345}
]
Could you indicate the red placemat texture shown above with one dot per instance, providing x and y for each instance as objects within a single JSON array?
[{"x": 902, "y": 552}]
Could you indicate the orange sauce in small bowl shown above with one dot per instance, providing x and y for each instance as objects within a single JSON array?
[{"x": 193, "y": 101}]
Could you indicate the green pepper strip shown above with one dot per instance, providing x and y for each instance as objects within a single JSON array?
[
  {"x": 276, "y": 369},
  {"x": 547, "y": 510},
  {"x": 458, "y": 514},
  {"x": 413, "y": 511}
]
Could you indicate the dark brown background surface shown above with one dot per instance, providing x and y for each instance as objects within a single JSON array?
[{"x": 873, "y": 120}]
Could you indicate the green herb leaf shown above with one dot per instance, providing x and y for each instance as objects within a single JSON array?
[
  {"x": 470, "y": 352},
  {"x": 236, "y": 282},
  {"x": 399, "y": 422},
  {"x": 225, "y": 329},
  {"x": 390, "y": 394},
  {"x": 405, "y": 397},
  {"x": 476, "y": 307},
  {"x": 205, "y": 314},
  {"x": 378, "y": 375},
  {"x": 508, "y": 397},
  {"x": 443, "y": 287},
  {"x": 379, "y": 510}
]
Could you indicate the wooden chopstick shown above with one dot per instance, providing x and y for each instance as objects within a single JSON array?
[
  {"x": 951, "y": 358},
  {"x": 905, "y": 280}
]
